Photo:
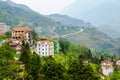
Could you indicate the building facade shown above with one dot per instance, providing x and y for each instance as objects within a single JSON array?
[
  {"x": 45, "y": 48},
  {"x": 22, "y": 33},
  {"x": 107, "y": 67},
  {"x": 3, "y": 27},
  {"x": 118, "y": 63}
]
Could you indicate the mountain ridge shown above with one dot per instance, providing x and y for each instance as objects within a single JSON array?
[{"x": 45, "y": 25}]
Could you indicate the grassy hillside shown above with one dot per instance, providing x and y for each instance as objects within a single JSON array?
[
  {"x": 93, "y": 38},
  {"x": 13, "y": 14},
  {"x": 57, "y": 26},
  {"x": 66, "y": 20}
]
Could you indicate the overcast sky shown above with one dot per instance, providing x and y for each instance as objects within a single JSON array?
[{"x": 46, "y": 6}]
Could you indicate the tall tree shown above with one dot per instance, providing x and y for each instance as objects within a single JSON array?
[
  {"x": 25, "y": 56},
  {"x": 81, "y": 71},
  {"x": 53, "y": 71},
  {"x": 35, "y": 66}
]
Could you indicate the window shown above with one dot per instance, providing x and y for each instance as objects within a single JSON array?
[
  {"x": 42, "y": 52},
  {"x": 42, "y": 49},
  {"x": 42, "y": 45},
  {"x": 39, "y": 48}
]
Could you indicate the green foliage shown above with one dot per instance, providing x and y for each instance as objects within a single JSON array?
[
  {"x": 8, "y": 34},
  {"x": 81, "y": 71},
  {"x": 116, "y": 74},
  {"x": 64, "y": 45},
  {"x": 7, "y": 70},
  {"x": 35, "y": 66},
  {"x": 34, "y": 34},
  {"x": 13, "y": 14},
  {"x": 25, "y": 54},
  {"x": 53, "y": 70},
  {"x": 6, "y": 52},
  {"x": 2, "y": 37}
]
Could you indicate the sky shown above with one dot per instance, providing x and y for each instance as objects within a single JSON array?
[{"x": 46, "y": 6}]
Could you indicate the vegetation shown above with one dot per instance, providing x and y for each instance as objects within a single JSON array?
[
  {"x": 37, "y": 68},
  {"x": 2, "y": 37},
  {"x": 73, "y": 62}
]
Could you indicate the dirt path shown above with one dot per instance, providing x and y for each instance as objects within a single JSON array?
[{"x": 73, "y": 33}]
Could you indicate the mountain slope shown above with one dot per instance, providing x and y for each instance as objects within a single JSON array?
[
  {"x": 109, "y": 31},
  {"x": 66, "y": 20},
  {"x": 12, "y": 14},
  {"x": 75, "y": 30},
  {"x": 95, "y": 39},
  {"x": 99, "y": 12}
]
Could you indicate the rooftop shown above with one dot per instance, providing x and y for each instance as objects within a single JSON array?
[
  {"x": 26, "y": 29},
  {"x": 43, "y": 37},
  {"x": 2, "y": 23}
]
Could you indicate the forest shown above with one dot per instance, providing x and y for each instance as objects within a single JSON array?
[{"x": 73, "y": 62}]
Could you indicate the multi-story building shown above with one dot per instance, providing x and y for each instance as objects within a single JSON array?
[
  {"x": 3, "y": 27},
  {"x": 107, "y": 67},
  {"x": 45, "y": 47},
  {"x": 118, "y": 63},
  {"x": 22, "y": 33}
]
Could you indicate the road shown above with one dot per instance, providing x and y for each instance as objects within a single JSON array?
[{"x": 73, "y": 33}]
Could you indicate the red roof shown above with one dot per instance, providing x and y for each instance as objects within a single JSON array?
[
  {"x": 2, "y": 23},
  {"x": 18, "y": 48},
  {"x": 43, "y": 37},
  {"x": 0, "y": 29},
  {"x": 12, "y": 44},
  {"x": 26, "y": 29}
]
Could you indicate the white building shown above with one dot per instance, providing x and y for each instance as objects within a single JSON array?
[
  {"x": 3, "y": 27},
  {"x": 107, "y": 68},
  {"x": 45, "y": 47}
]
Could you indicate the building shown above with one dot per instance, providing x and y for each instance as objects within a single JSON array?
[
  {"x": 118, "y": 63},
  {"x": 15, "y": 46},
  {"x": 45, "y": 47},
  {"x": 18, "y": 49},
  {"x": 22, "y": 33},
  {"x": 4, "y": 28},
  {"x": 107, "y": 67}
]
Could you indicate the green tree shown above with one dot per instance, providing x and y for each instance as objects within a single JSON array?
[
  {"x": 53, "y": 70},
  {"x": 64, "y": 45},
  {"x": 35, "y": 66},
  {"x": 25, "y": 56},
  {"x": 116, "y": 74},
  {"x": 34, "y": 34},
  {"x": 6, "y": 52},
  {"x": 8, "y": 34},
  {"x": 6, "y": 59},
  {"x": 25, "y": 53},
  {"x": 81, "y": 71}
]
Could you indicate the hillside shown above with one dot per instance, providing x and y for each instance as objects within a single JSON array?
[
  {"x": 99, "y": 12},
  {"x": 95, "y": 39},
  {"x": 75, "y": 30},
  {"x": 109, "y": 31},
  {"x": 13, "y": 14},
  {"x": 66, "y": 20}
]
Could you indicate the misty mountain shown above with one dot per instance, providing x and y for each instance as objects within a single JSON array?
[
  {"x": 99, "y": 12},
  {"x": 66, "y": 20},
  {"x": 75, "y": 30},
  {"x": 109, "y": 31},
  {"x": 13, "y": 14}
]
